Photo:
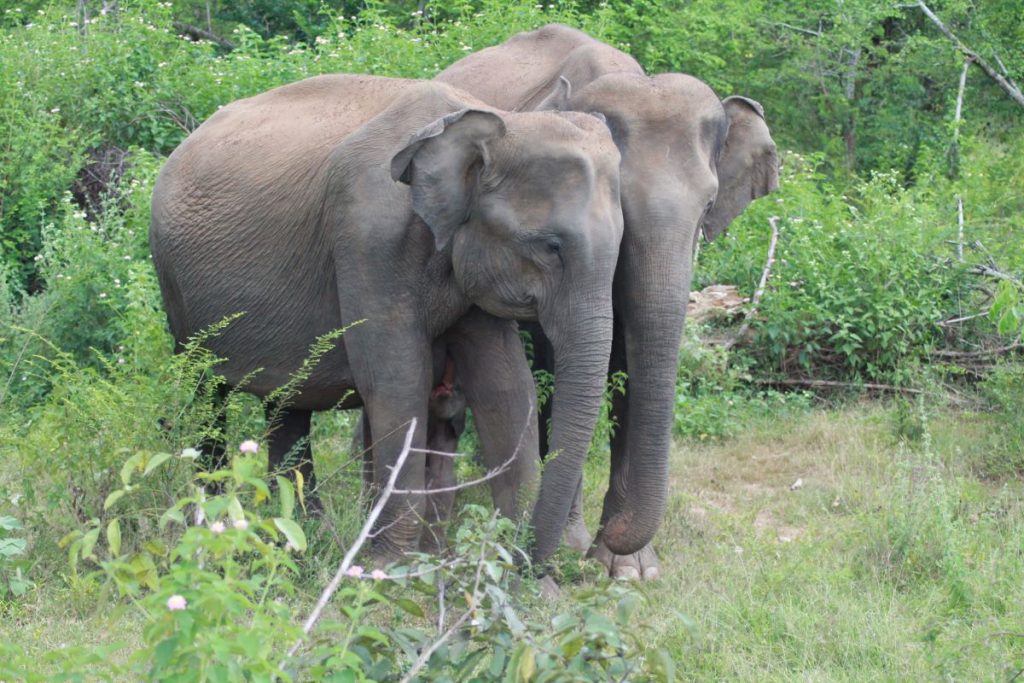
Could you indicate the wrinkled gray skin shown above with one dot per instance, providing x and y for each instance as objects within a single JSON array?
[
  {"x": 433, "y": 217},
  {"x": 690, "y": 164}
]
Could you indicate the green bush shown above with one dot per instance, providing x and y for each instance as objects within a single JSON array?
[{"x": 860, "y": 282}]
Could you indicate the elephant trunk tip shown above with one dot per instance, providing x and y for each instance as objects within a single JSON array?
[{"x": 620, "y": 534}]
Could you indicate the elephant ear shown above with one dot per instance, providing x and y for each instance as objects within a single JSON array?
[
  {"x": 439, "y": 163},
  {"x": 558, "y": 98},
  {"x": 748, "y": 166}
]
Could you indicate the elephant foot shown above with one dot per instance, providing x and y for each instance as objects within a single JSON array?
[
  {"x": 639, "y": 565},
  {"x": 433, "y": 540},
  {"x": 549, "y": 590},
  {"x": 576, "y": 535}
]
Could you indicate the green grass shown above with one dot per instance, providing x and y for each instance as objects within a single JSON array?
[{"x": 891, "y": 561}]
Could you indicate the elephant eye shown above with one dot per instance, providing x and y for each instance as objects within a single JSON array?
[{"x": 553, "y": 246}]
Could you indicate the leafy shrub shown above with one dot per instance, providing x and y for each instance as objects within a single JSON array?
[
  {"x": 219, "y": 597},
  {"x": 857, "y": 290},
  {"x": 13, "y": 582}
]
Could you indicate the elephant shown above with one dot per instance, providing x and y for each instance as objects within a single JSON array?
[
  {"x": 691, "y": 163},
  {"x": 419, "y": 218}
]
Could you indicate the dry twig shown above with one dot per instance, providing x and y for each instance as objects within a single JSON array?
[
  {"x": 824, "y": 383},
  {"x": 364, "y": 534},
  {"x": 773, "y": 221},
  {"x": 197, "y": 34},
  {"x": 1011, "y": 89}
]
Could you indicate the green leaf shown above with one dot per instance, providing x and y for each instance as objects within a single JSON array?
[
  {"x": 129, "y": 465},
  {"x": 235, "y": 511},
  {"x": 287, "y": 492},
  {"x": 663, "y": 667},
  {"x": 409, "y": 606},
  {"x": 155, "y": 461},
  {"x": 113, "y": 498},
  {"x": 89, "y": 541},
  {"x": 527, "y": 664},
  {"x": 114, "y": 537},
  {"x": 9, "y": 523},
  {"x": 68, "y": 537},
  {"x": 9, "y": 547},
  {"x": 292, "y": 531},
  {"x": 172, "y": 515}
]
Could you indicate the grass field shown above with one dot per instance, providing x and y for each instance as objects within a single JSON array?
[{"x": 834, "y": 545}]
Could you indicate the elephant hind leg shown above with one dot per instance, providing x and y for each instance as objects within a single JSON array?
[{"x": 290, "y": 452}]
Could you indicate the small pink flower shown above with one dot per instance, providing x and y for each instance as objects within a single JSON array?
[
  {"x": 355, "y": 571},
  {"x": 377, "y": 575},
  {"x": 176, "y": 603},
  {"x": 248, "y": 446},
  {"x": 241, "y": 524},
  {"x": 288, "y": 547},
  {"x": 217, "y": 527}
]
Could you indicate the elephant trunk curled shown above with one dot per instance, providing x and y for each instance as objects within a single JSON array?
[{"x": 652, "y": 289}]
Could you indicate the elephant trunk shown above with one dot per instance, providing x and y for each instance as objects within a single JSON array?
[
  {"x": 582, "y": 344},
  {"x": 652, "y": 290}
]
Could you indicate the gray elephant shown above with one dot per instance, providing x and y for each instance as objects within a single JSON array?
[
  {"x": 285, "y": 206},
  {"x": 690, "y": 164}
]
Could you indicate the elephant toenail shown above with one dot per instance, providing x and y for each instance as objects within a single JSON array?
[{"x": 628, "y": 573}]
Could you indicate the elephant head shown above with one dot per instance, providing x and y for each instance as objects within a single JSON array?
[{"x": 528, "y": 204}]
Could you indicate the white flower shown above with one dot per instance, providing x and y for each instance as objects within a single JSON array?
[
  {"x": 176, "y": 603},
  {"x": 217, "y": 527},
  {"x": 190, "y": 453},
  {"x": 241, "y": 524},
  {"x": 249, "y": 446}
]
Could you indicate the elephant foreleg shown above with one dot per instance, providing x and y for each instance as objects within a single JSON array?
[{"x": 492, "y": 369}]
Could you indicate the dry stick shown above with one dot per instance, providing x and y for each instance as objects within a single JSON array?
[
  {"x": 977, "y": 354},
  {"x": 364, "y": 534},
  {"x": 466, "y": 484},
  {"x": 956, "y": 158},
  {"x": 745, "y": 327},
  {"x": 196, "y": 33},
  {"x": 838, "y": 385},
  {"x": 960, "y": 229},
  {"x": 997, "y": 274},
  {"x": 426, "y": 654},
  {"x": 963, "y": 318},
  {"x": 1015, "y": 94}
]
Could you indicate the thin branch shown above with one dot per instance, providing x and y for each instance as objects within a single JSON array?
[
  {"x": 961, "y": 319},
  {"x": 978, "y": 354},
  {"x": 807, "y": 31},
  {"x": 954, "y": 148},
  {"x": 960, "y": 229},
  {"x": 838, "y": 385},
  {"x": 364, "y": 534},
  {"x": 1015, "y": 94},
  {"x": 196, "y": 33},
  {"x": 989, "y": 271},
  {"x": 491, "y": 474},
  {"x": 440, "y": 603},
  {"x": 773, "y": 221},
  {"x": 427, "y": 653}
]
